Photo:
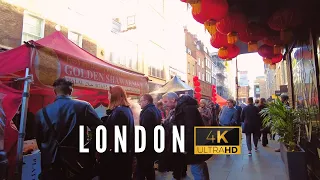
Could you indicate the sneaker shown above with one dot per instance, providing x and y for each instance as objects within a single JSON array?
[
  {"x": 256, "y": 149},
  {"x": 249, "y": 154},
  {"x": 277, "y": 150}
]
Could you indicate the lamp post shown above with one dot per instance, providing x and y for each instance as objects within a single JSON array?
[{"x": 237, "y": 85}]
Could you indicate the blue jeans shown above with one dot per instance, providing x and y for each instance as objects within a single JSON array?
[{"x": 200, "y": 171}]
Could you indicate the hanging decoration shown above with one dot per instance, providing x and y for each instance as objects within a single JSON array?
[
  {"x": 210, "y": 26},
  {"x": 272, "y": 66},
  {"x": 267, "y": 60},
  {"x": 265, "y": 51},
  {"x": 284, "y": 20},
  {"x": 214, "y": 93},
  {"x": 223, "y": 52},
  {"x": 197, "y": 88},
  {"x": 215, "y": 10},
  {"x": 219, "y": 40},
  {"x": 196, "y": 5},
  {"x": 252, "y": 35},
  {"x": 233, "y": 51},
  {"x": 197, "y": 83},
  {"x": 276, "y": 58},
  {"x": 231, "y": 25},
  {"x": 200, "y": 17},
  {"x": 275, "y": 42}
]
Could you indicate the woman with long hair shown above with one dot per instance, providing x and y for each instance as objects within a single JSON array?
[{"x": 118, "y": 165}]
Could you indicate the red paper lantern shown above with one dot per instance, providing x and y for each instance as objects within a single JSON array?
[
  {"x": 283, "y": 20},
  {"x": 252, "y": 35},
  {"x": 200, "y": 17},
  {"x": 265, "y": 51},
  {"x": 197, "y": 96},
  {"x": 275, "y": 42},
  {"x": 231, "y": 25},
  {"x": 277, "y": 58},
  {"x": 196, "y": 83},
  {"x": 197, "y": 89},
  {"x": 223, "y": 57},
  {"x": 195, "y": 78},
  {"x": 219, "y": 40},
  {"x": 215, "y": 9},
  {"x": 233, "y": 51}
]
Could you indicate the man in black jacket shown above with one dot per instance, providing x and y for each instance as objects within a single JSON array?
[
  {"x": 66, "y": 115},
  {"x": 184, "y": 112},
  {"x": 252, "y": 124},
  {"x": 150, "y": 117}
]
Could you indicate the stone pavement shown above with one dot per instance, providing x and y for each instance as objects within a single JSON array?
[{"x": 262, "y": 165}]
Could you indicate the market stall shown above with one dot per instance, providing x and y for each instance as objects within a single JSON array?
[
  {"x": 31, "y": 69},
  {"x": 174, "y": 85}
]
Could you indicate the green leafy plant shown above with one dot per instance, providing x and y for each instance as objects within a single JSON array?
[{"x": 283, "y": 121}]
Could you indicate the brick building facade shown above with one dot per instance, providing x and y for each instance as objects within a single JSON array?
[{"x": 11, "y": 28}]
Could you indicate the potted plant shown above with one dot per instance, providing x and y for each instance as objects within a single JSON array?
[{"x": 284, "y": 121}]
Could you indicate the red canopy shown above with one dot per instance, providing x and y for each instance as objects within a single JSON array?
[
  {"x": 56, "y": 56},
  {"x": 220, "y": 100}
]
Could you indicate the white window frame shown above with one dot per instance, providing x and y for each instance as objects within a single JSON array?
[
  {"x": 199, "y": 75},
  {"x": 43, "y": 24},
  {"x": 199, "y": 61},
  {"x": 80, "y": 37}
]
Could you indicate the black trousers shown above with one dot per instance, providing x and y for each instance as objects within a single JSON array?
[
  {"x": 145, "y": 167},
  {"x": 116, "y": 166},
  {"x": 179, "y": 166},
  {"x": 264, "y": 138}
]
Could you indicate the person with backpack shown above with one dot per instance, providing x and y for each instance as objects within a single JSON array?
[
  {"x": 150, "y": 117},
  {"x": 58, "y": 135},
  {"x": 184, "y": 111}
]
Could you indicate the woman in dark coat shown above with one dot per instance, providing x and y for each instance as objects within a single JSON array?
[
  {"x": 265, "y": 130},
  {"x": 252, "y": 124},
  {"x": 118, "y": 165}
]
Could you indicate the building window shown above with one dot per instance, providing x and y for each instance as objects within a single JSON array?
[
  {"x": 194, "y": 70},
  {"x": 202, "y": 63},
  {"x": 198, "y": 47},
  {"x": 116, "y": 26},
  {"x": 199, "y": 61},
  {"x": 131, "y": 22},
  {"x": 199, "y": 75},
  {"x": 208, "y": 76},
  {"x": 188, "y": 51},
  {"x": 188, "y": 67},
  {"x": 75, "y": 38},
  {"x": 203, "y": 77},
  {"x": 33, "y": 27}
]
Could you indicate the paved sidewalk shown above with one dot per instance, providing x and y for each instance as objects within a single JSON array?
[{"x": 262, "y": 165}]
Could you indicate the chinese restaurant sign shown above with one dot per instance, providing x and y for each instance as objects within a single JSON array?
[{"x": 48, "y": 65}]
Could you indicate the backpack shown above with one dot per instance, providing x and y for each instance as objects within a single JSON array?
[{"x": 69, "y": 159}]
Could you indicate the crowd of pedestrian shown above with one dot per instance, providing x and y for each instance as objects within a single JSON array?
[{"x": 58, "y": 124}]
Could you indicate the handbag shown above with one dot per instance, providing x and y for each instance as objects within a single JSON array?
[{"x": 72, "y": 162}]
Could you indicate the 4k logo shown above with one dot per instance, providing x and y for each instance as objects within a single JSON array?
[
  {"x": 217, "y": 140},
  {"x": 219, "y": 137}
]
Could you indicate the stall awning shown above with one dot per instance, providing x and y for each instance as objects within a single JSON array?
[
  {"x": 174, "y": 85},
  {"x": 220, "y": 100},
  {"x": 56, "y": 56}
]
